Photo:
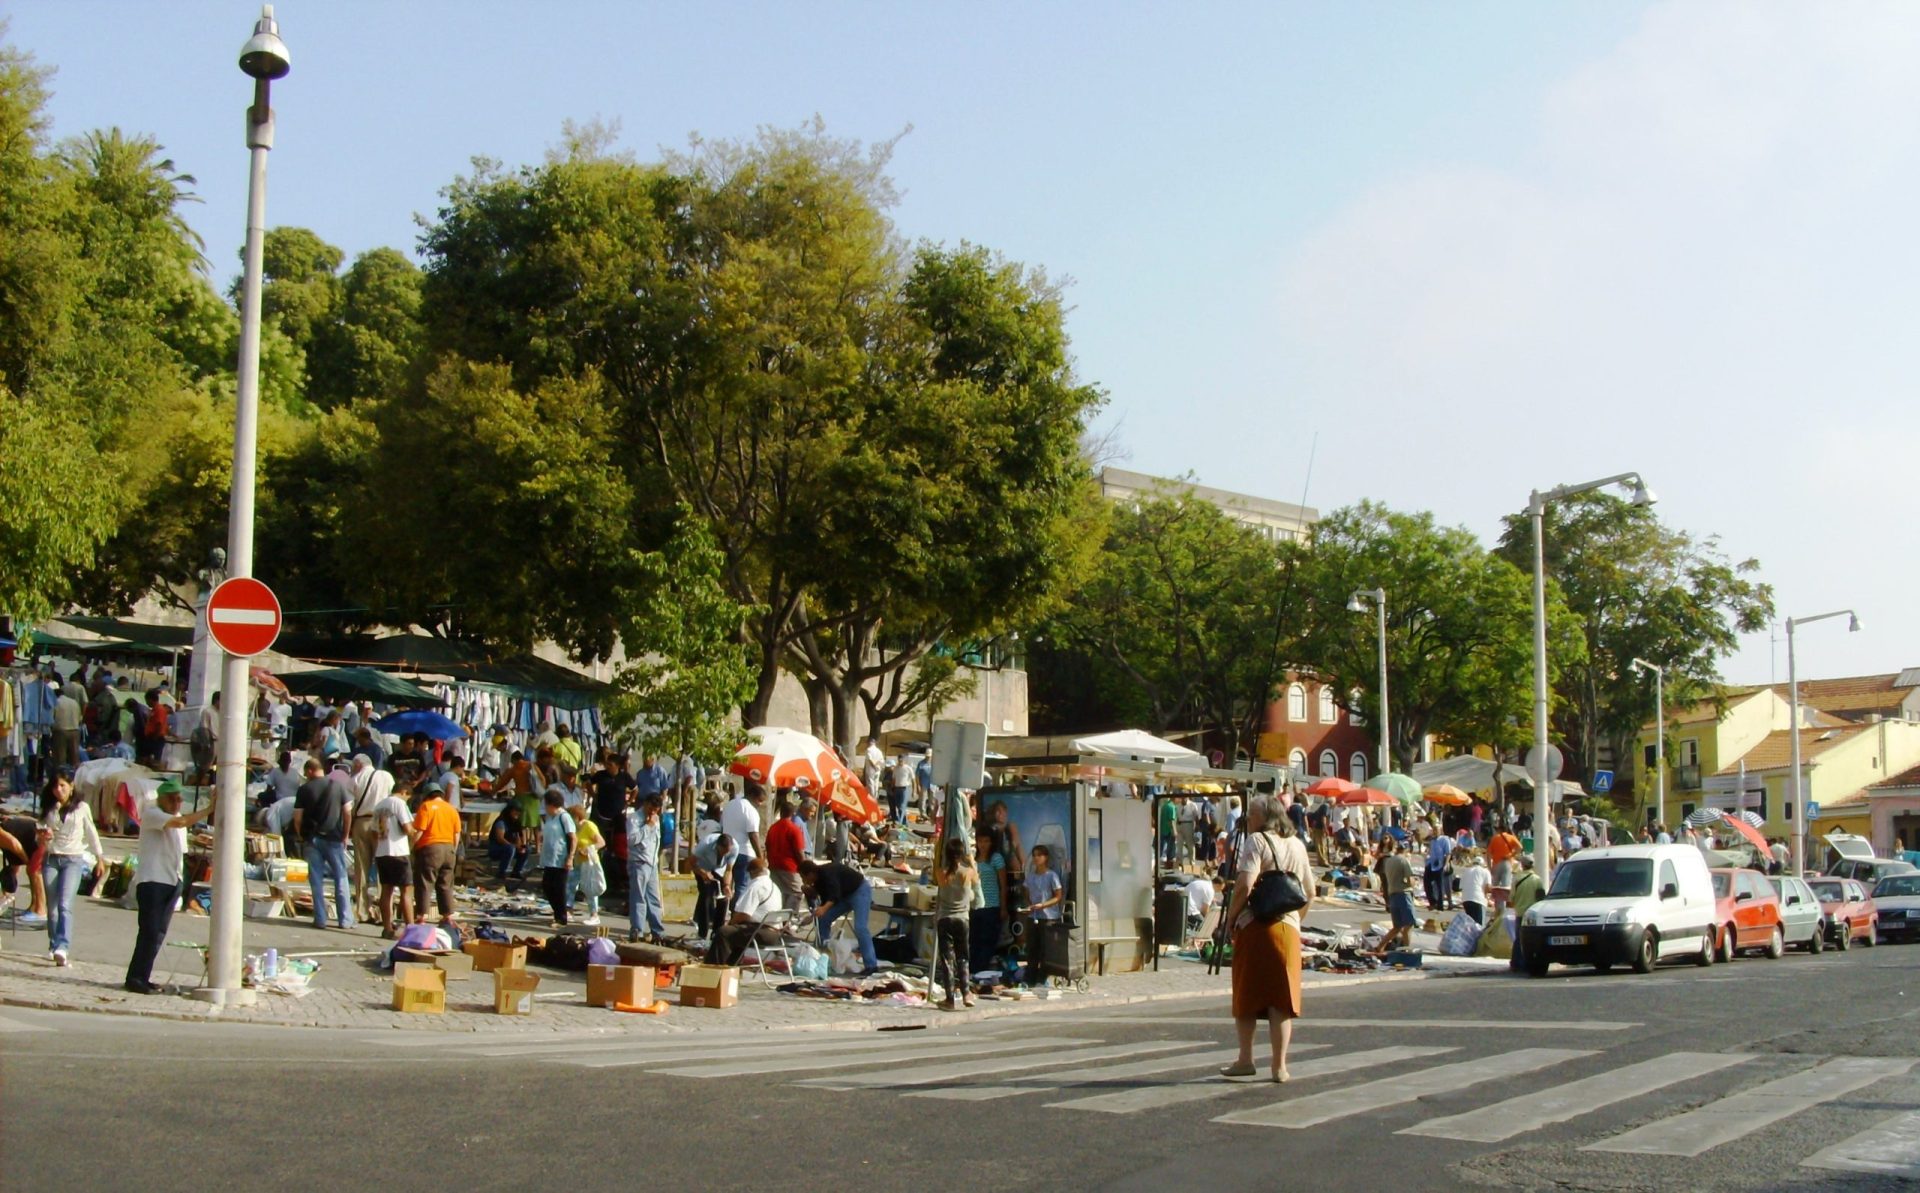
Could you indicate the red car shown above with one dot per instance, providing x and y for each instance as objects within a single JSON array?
[
  {"x": 1746, "y": 914},
  {"x": 1850, "y": 910}
]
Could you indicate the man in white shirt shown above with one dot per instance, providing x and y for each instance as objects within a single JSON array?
[
  {"x": 392, "y": 849},
  {"x": 367, "y": 785},
  {"x": 1200, "y": 900},
  {"x": 163, "y": 843},
  {"x": 758, "y": 898},
  {"x": 740, "y": 820}
]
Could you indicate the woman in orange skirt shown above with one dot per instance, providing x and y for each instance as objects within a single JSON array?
[{"x": 1266, "y": 956}]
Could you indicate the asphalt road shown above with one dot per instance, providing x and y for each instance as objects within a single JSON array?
[{"x": 1462, "y": 1083}]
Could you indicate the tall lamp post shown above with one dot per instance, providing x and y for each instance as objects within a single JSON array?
[
  {"x": 1799, "y": 805},
  {"x": 264, "y": 59},
  {"x": 1357, "y": 603},
  {"x": 1537, "y": 503},
  {"x": 1659, "y": 731}
]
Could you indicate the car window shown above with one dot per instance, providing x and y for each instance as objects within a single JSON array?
[
  {"x": 1668, "y": 876},
  {"x": 1830, "y": 890},
  {"x": 1722, "y": 884},
  {"x": 1602, "y": 878}
]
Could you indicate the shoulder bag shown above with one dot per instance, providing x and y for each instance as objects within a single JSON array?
[{"x": 1276, "y": 892}]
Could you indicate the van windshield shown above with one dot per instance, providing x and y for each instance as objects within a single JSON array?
[{"x": 1600, "y": 878}]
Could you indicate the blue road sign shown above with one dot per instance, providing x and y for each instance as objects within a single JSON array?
[{"x": 1602, "y": 782}]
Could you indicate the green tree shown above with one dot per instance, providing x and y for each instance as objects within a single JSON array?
[
  {"x": 1459, "y": 627},
  {"x": 1640, "y": 590},
  {"x": 372, "y": 346},
  {"x": 1178, "y": 615},
  {"x": 688, "y": 672}
]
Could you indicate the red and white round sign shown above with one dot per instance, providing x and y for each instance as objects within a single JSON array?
[{"x": 243, "y": 616}]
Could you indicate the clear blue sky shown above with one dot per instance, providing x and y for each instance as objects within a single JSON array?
[{"x": 1468, "y": 249}]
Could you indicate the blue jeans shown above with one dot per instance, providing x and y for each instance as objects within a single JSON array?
[
  {"x": 742, "y": 875},
  {"x": 643, "y": 897},
  {"x": 860, "y": 906},
  {"x": 574, "y": 877},
  {"x": 326, "y": 858},
  {"x": 63, "y": 873}
]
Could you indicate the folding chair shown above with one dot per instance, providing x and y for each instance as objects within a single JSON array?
[{"x": 782, "y": 922}]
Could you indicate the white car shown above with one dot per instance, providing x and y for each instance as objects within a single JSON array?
[
  {"x": 1801, "y": 920},
  {"x": 1898, "y": 898}
]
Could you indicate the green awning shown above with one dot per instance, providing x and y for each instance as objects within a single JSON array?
[{"x": 358, "y": 683}]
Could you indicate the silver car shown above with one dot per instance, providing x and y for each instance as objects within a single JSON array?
[
  {"x": 1898, "y": 898},
  {"x": 1802, "y": 921}
]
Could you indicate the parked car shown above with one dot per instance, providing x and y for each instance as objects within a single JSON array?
[
  {"x": 1622, "y": 905},
  {"x": 1802, "y": 918},
  {"x": 1850, "y": 909},
  {"x": 1897, "y": 897},
  {"x": 1746, "y": 914},
  {"x": 1870, "y": 870}
]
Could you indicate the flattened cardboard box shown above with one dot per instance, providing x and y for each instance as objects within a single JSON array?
[
  {"x": 457, "y": 965},
  {"x": 513, "y": 991},
  {"x": 610, "y": 984},
  {"x": 715, "y": 986}
]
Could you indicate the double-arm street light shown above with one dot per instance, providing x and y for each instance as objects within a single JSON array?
[
  {"x": 1659, "y": 732},
  {"x": 1798, "y": 809},
  {"x": 264, "y": 58},
  {"x": 1358, "y": 604},
  {"x": 1537, "y": 503}
]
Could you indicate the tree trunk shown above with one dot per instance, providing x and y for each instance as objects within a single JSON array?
[{"x": 754, "y": 713}]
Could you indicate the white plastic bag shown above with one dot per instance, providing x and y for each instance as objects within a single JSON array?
[{"x": 845, "y": 950}]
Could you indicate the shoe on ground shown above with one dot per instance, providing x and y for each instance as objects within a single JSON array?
[
  {"x": 592, "y": 921},
  {"x": 142, "y": 988},
  {"x": 60, "y": 958},
  {"x": 27, "y": 919}
]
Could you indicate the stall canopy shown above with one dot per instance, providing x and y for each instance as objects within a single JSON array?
[
  {"x": 359, "y": 683},
  {"x": 1132, "y": 745},
  {"x": 1471, "y": 773}
]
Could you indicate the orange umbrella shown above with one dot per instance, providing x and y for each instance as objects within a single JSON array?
[
  {"x": 1330, "y": 785},
  {"x": 1368, "y": 797},
  {"x": 786, "y": 758},
  {"x": 849, "y": 799},
  {"x": 1448, "y": 794}
]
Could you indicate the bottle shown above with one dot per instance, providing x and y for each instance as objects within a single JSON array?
[{"x": 270, "y": 964}]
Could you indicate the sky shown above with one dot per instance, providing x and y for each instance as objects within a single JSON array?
[{"x": 1431, "y": 255}]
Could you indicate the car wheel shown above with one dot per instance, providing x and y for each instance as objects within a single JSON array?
[
  {"x": 1843, "y": 938},
  {"x": 1776, "y": 944},
  {"x": 1537, "y": 967},
  {"x": 1727, "y": 939},
  {"x": 1649, "y": 952},
  {"x": 1704, "y": 957},
  {"x": 1818, "y": 940}
]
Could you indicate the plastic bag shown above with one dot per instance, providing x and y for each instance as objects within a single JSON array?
[
  {"x": 601, "y": 951},
  {"x": 593, "y": 879},
  {"x": 846, "y": 954},
  {"x": 809, "y": 963},
  {"x": 1495, "y": 941},
  {"x": 1460, "y": 937}
]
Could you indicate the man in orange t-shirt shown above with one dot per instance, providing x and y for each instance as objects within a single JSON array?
[
  {"x": 1501, "y": 851},
  {"x": 437, "y": 827}
]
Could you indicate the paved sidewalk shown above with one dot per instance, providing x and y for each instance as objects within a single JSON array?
[{"x": 349, "y": 992}]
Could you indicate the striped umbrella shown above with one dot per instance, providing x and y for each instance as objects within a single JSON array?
[
  {"x": 1747, "y": 814},
  {"x": 1702, "y": 816}
]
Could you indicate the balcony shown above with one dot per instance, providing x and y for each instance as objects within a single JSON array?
[{"x": 1686, "y": 778}]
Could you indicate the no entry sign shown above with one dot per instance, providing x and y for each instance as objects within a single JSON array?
[{"x": 243, "y": 616}]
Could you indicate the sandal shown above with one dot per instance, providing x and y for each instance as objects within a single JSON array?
[{"x": 1237, "y": 1069}]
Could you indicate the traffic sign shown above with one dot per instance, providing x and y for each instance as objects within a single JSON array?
[
  {"x": 1602, "y": 782},
  {"x": 243, "y": 616},
  {"x": 1813, "y": 810}
]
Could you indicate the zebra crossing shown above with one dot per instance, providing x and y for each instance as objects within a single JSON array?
[{"x": 1072, "y": 1068}]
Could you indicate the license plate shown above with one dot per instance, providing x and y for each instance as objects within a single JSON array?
[
  {"x": 1562, "y": 940},
  {"x": 1913, "y": 913}
]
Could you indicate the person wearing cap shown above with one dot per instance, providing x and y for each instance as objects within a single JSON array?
[
  {"x": 436, "y": 827},
  {"x": 369, "y": 785},
  {"x": 163, "y": 844}
]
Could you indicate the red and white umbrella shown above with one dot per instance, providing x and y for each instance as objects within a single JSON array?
[
  {"x": 849, "y": 799},
  {"x": 787, "y": 758}
]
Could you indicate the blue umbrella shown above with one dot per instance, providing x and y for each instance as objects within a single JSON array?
[{"x": 420, "y": 720}]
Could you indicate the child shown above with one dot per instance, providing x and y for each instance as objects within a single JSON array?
[
  {"x": 587, "y": 874},
  {"x": 556, "y": 852},
  {"x": 957, "y": 881}
]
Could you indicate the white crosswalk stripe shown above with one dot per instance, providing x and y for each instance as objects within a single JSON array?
[
  {"x": 793, "y": 1063},
  {"x": 1890, "y": 1148},
  {"x": 13, "y": 1025},
  {"x": 1044, "y": 1053},
  {"x": 1393, "y": 1091},
  {"x": 1504, "y": 1120},
  {"x": 1743, "y": 1113},
  {"x": 1099, "y": 1074},
  {"x": 1156, "y": 1097}
]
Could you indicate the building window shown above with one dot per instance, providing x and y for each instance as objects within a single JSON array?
[
  {"x": 1686, "y": 810},
  {"x": 1329, "y": 764},
  {"x": 1328, "y": 715},
  {"x": 1357, "y": 767},
  {"x": 1296, "y": 703},
  {"x": 1298, "y": 761},
  {"x": 1689, "y": 751}
]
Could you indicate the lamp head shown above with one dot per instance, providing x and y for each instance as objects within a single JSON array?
[
  {"x": 1853, "y": 623},
  {"x": 1642, "y": 496},
  {"x": 1356, "y": 603},
  {"x": 265, "y": 55}
]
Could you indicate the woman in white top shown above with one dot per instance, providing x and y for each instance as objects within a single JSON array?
[
  {"x": 1266, "y": 955},
  {"x": 73, "y": 848},
  {"x": 1475, "y": 878}
]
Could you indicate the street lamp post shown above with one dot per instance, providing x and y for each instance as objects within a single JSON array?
[
  {"x": 1537, "y": 503},
  {"x": 1659, "y": 731},
  {"x": 1798, "y": 814},
  {"x": 264, "y": 58},
  {"x": 1358, "y": 603}
]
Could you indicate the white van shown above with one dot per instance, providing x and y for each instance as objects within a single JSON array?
[{"x": 1623, "y": 905}]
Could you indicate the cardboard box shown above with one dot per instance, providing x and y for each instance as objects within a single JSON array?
[
  {"x": 420, "y": 990},
  {"x": 715, "y": 986},
  {"x": 513, "y": 991},
  {"x": 272, "y": 908},
  {"x": 920, "y": 897},
  {"x": 457, "y": 966},
  {"x": 629, "y": 984},
  {"x": 490, "y": 956}
]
